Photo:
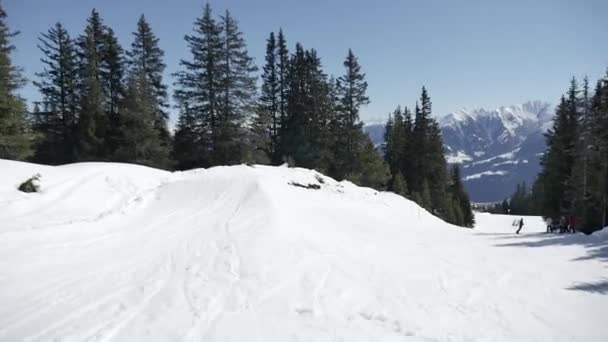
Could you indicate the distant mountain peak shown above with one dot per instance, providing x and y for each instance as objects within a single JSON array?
[
  {"x": 496, "y": 148},
  {"x": 531, "y": 112}
]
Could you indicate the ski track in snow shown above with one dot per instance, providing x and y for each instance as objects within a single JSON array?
[{"x": 114, "y": 252}]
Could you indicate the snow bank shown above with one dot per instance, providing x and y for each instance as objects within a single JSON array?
[{"x": 118, "y": 252}]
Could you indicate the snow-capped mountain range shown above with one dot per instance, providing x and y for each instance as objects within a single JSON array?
[{"x": 496, "y": 148}]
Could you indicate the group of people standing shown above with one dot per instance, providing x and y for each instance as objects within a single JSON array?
[{"x": 563, "y": 225}]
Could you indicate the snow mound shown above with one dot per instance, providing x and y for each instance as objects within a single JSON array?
[{"x": 116, "y": 252}]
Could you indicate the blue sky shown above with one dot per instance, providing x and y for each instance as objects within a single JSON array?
[{"x": 468, "y": 53}]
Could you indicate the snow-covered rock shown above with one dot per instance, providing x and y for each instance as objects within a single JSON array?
[{"x": 116, "y": 252}]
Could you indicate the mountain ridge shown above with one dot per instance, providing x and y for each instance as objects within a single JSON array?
[{"x": 496, "y": 148}]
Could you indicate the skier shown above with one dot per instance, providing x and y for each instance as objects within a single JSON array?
[{"x": 521, "y": 224}]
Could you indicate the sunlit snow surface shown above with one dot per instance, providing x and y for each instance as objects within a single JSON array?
[{"x": 114, "y": 252}]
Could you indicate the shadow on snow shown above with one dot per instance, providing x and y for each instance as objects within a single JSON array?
[{"x": 596, "y": 248}]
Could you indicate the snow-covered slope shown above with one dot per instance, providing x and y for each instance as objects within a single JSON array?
[{"x": 114, "y": 252}]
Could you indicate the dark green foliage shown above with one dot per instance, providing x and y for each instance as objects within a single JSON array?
[
  {"x": 112, "y": 74},
  {"x": 268, "y": 114},
  {"x": 198, "y": 95},
  {"x": 93, "y": 123},
  {"x": 57, "y": 84},
  {"x": 398, "y": 136},
  {"x": 574, "y": 176},
  {"x": 14, "y": 131},
  {"x": 140, "y": 140},
  {"x": 237, "y": 93},
  {"x": 261, "y": 144},
  {"x": 146, "y": 55},
  {"x": 460, "y": 203},
  {"x": 558, "y": 161},
  {"x": 398, "y": 185},
  {"x": 217, "y": 90},
  {"x": 282, "y": 72},
  {"x": 188, "y": 142},
  {"x": 372, "y": 171},
  {"x": 521, "y": 201},
  {"x": 414, "y": 149},
  {"x": 306, "y": 138},
  {"x": 351, "y": 90},
  {"x": 425, "y": 196}
]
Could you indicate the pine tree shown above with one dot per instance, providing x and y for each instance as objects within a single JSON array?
[
  {"x": 437, "y": 170},
  {"x": 351, "y": 91},
  {"x": 305, "y": 138},
  {"x": 596, "y": 194},
  {"x": 427, "y": 158},
  {"x": 556, "y": 181},
  {"x": 420, "y": 141},
  {"x": 455, "y": 213},
  {"x": 461, "y": 205},
  {"x": 414, "y": 150},
  {"x": 601, "y": 135},
  {"x": 283, "y": 68},
  {"x": 259, "y": 151},
  {"x": 237, "y": 92},
  {"x": 146, "y": 54},
  {"x": 198, "y": 95},
  {"x": 14, "y": 131},
  {"x": 398, "y": 185},
  {"x": 425, "y": 196},
  {"x": 270, "y": 100},
  {"x": 93, "y": 123},
  {"x": 374, "y": 173},
  {"x": 188, "y": 144},
  {"x": 140, "y": 140},
  {"x": 396, "y": 141},
  {"x": 57, "y": 84},
  {"x": 112, "y": 75}
]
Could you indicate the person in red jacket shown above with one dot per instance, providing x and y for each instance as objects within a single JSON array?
[{"x": 571, "y": 224}]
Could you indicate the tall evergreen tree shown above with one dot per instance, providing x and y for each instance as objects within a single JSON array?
[
  {"x": 270, "y": 100},
  {"x": 259, "y": 149},
  {"x": 112, "y": 73},
  {"x": 140, "y": 140},
  {"x": 428, "y": 162},
  {"x": 461, "y": 205},
  {"x": 14, "y": 132},
  {"x": 145, "y": 54},
  {"x": 415, "y": 151},
  {"x": 198, "y": 95},
  {"x": 556, "y": 181},
  {"x": 352, "y": 94},
  {"x": 93, "y": 123},
  {"x": 398, "y": 185},
  {"x": 188, "y": 144},
  {"x": 238, "y": 92},
  {"x": 57, "y": 84},
  {"x": 282, "y": 75},
  {"x": 306, "y": 137},
  {"x": 394, "y": 147}
]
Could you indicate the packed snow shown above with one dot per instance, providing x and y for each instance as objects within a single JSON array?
[
  {"x": 457, "y": 158},
  {"x": 484, "y": 174},
  {"x": 116, "y": 252}
]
